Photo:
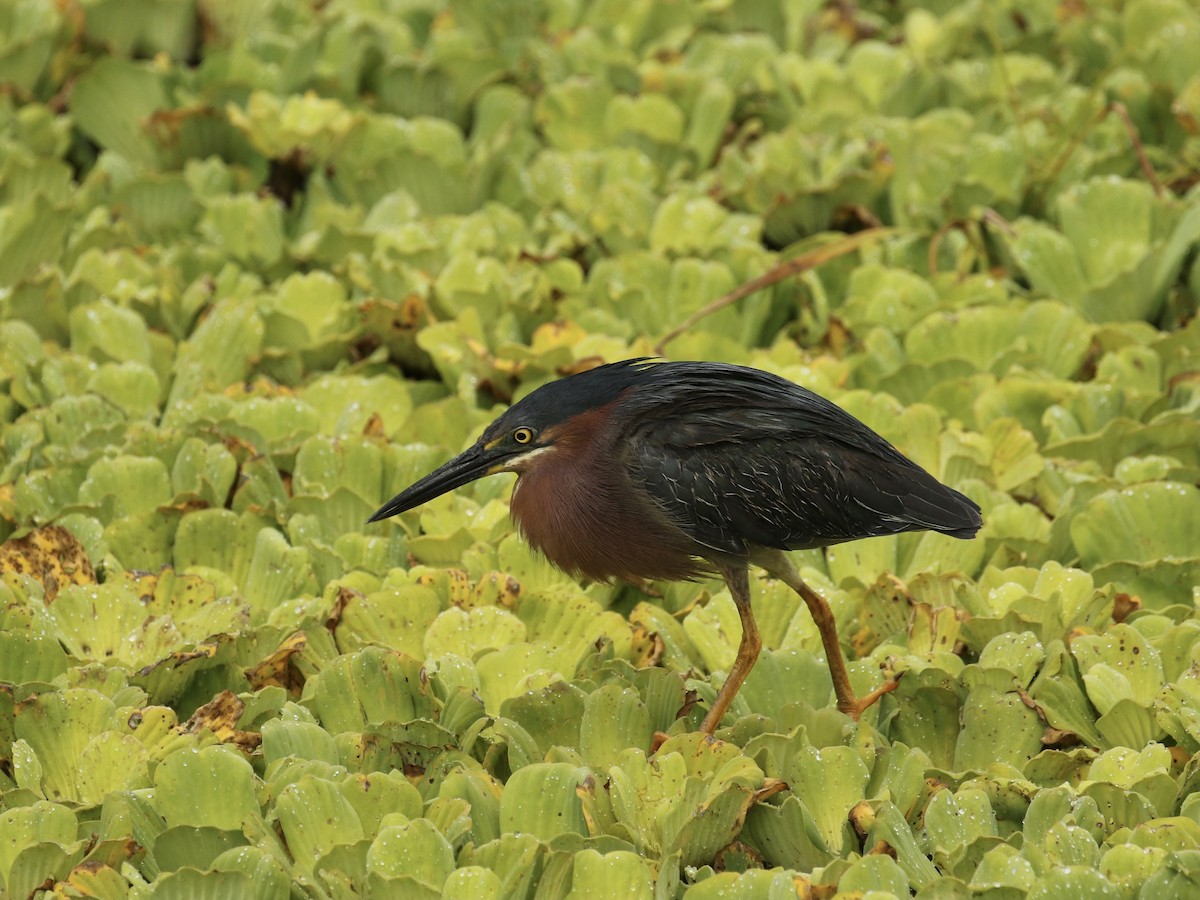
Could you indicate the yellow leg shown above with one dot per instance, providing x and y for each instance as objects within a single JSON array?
[
  {"x": 748, "y": 650},
  {"x": 822, "y": 615}
]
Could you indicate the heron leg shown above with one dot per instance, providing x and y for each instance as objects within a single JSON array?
[
  {"x": 781, "y": 567},
  {"x": 738, "y": 580}
]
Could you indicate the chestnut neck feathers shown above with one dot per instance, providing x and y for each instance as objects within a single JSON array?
[{"x": 577, "y": 507}]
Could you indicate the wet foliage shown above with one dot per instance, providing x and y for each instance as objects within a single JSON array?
[{"x": 264, "y": 264}]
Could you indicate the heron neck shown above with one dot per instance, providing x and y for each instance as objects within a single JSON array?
[{"x": 579, "y": 509}]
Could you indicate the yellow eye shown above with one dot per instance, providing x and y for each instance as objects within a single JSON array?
[{"x": 522, "y": 435}]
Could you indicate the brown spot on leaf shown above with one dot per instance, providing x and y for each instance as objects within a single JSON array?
[
  {"x": 374, "y": 426},
  {"x": 648, "y": 647},
  {"x": 737, "y": 857},
  {"x": 1125, "y": 605},
  {"x": 690, "y": 699},
  {"x": 278, "y": 670},
  {"x": 1058, "y": 739},
  {"x": 345, "y": 596},
  {"x": 50, "y": 555},
  {"x": 660, "y": 738},
  {"x": 220, "y": 716},
  {"x": 882, "y": 848}
]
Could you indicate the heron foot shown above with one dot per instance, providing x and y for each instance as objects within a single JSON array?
[{"x": 854, "y": 707}]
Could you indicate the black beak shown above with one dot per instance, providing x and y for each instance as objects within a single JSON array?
[{"x": 472, "y": 463}]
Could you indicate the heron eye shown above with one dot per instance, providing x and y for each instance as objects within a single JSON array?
[{"x": 523, "y": 435}]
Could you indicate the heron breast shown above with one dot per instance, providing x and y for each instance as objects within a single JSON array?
[{"x": 588, "y": 523}]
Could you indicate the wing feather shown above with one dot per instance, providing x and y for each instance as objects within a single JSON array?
[{"x": 737, "y": 457}]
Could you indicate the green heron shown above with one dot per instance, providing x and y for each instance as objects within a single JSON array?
[{"x": 644, "y": 470}]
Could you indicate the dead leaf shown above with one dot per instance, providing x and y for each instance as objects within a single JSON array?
[
  {"x": 51, "y": 556},
  {"x": 1125, "y": 605},
  {"x": 276, "y": 670},
  {"x": 648, "y": 647},
  {"x": 220, "y": 716}
]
